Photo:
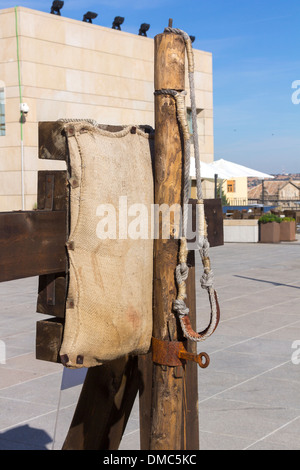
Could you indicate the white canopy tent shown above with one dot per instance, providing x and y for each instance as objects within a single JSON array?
[
  {"x": 234, "y": 170},
  {"x": 207, "y": 171},
  {"x": 225, "y": 170}
]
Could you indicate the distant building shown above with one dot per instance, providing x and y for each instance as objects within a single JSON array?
[
  {"x": 235, "y": 191},
  {"x": 64, "y": 68},
  {"x": 276, "y": 193}
]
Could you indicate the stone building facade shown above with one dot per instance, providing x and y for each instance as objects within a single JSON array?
[
  {"x": 284, "y": 194},
  {"x": 64, "y": 68}
]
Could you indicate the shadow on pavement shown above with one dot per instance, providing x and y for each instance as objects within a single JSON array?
[
  {"x": 24, "y": 438},
  {"x": 268, "y": 282}
]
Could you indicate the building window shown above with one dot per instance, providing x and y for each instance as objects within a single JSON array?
[
  {"x": 231, "y": 186},
  {"x": 2, "y": 111}
]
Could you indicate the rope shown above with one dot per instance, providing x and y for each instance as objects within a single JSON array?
[
  {"x": 69, "y": 120},
  {"x": 121, "y": 133},
  {"x": 182, "y": 270}
]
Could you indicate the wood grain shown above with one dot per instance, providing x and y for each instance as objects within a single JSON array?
[
  {"x": 31, "y": 243},
  {"x": 167, "y": 393}
]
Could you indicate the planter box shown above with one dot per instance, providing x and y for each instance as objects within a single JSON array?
[
  {"x": 240, "y": 231},
  {"x": 270, "y": 232},
  {"x": 287, "y": 231}
]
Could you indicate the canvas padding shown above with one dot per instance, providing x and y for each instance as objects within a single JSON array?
[{"x": 109, "y": 299}]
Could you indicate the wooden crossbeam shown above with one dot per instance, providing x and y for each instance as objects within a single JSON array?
[{"x": 32, "y": 243}]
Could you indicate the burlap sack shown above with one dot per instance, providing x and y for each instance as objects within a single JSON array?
[{"x": 109, "y": 301}]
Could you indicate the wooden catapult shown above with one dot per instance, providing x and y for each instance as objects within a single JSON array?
[{"x": 32, "y": 243}]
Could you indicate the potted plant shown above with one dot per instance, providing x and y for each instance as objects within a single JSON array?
[
  {"x": 269, "y": 228},
  {"x": 287, "y": 229}
]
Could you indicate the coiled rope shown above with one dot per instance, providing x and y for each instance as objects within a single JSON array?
[{"x": 182, "y": 270}]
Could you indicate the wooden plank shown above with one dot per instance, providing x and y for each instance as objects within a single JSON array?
[
  {"x": 104, "y": 406},
  {"x": 49, "y": 335},
  {"x": 52, "y": 294},
  {"x": 145, "y": 399},
  {"x": 214, "y": 220},
  {"x": 52, "y": 190},
  {"x": 52, "y": 195},
  {"x": 31, "y": 243},
  {"x": 52, "y": 141},
  {"x": 190, "y": 426}
]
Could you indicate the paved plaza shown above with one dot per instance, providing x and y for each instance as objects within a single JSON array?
[{"x": 249, "y": 397}]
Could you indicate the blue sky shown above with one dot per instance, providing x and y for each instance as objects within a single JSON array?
[{"x": 256, "y": 60}]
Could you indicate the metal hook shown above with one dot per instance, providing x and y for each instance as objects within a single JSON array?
[{"x": 201, "y": 359}]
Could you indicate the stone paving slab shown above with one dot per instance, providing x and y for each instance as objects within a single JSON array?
[{"x": 248, "y": 397}]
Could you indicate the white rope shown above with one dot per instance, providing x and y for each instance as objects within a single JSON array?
[
  {"x": 120, "y": 133},
  {"x": 181, "y": 273}
]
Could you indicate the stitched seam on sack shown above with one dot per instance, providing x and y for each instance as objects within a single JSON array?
[
  {"x": 75, "y": 310},
  {"x": 76, "y": 333}
]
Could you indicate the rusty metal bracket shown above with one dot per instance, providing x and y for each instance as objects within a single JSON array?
[{"x": 174, "y": 354}]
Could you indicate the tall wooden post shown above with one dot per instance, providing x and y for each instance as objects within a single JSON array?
[{"x": 168, "y": 382}]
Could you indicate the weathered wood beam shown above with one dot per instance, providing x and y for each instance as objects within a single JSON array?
[
  {"x": 31, "y": 243},
  {"x": 214, "y": 220},
  {"x": 52, "y": 295},
  {"x": 190, "y": 424},
  {"x": 49, "y": 335},
  {"x": 52, "y": 141},
  {"x": 104, "y": 406},
  {"x": 168, "y": 387},
  {"x": 53, "y": 196},
  {"x": 52, "y": 191}
]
